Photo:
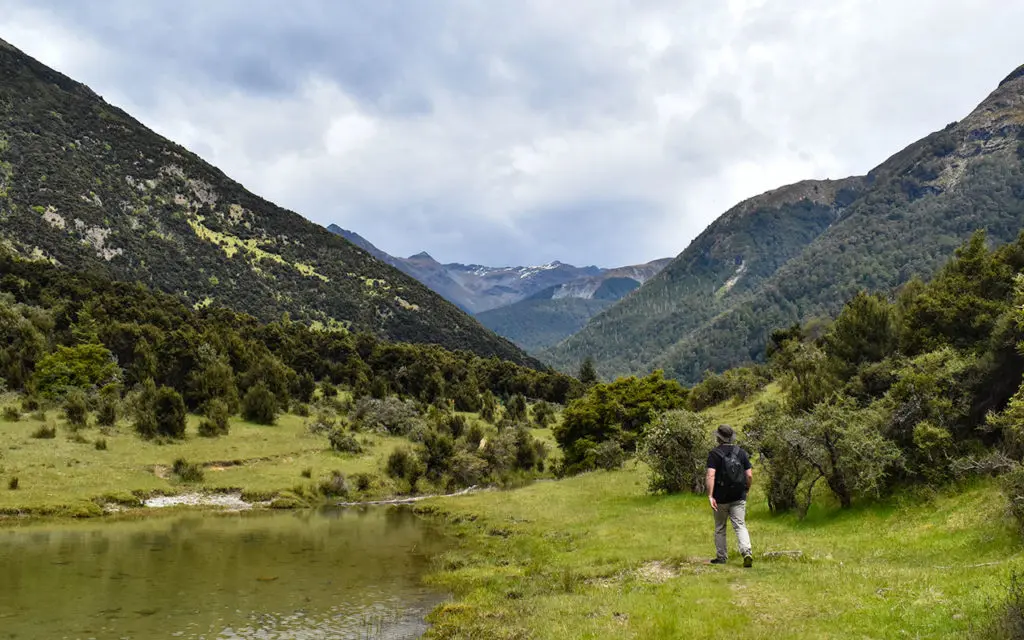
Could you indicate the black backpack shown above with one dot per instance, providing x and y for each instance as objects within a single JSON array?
[{"x": 734, "y": 476}]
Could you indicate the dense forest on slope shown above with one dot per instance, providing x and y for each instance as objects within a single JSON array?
[
  {"x": 922, "y": 388},
  {"x": 537, "y": 323},
  {"x": 88, "y": 187},
  {"x": 903, "y": 219},
  {"x": 723, "y": 265},
  {"x": 64, "y": 331}
]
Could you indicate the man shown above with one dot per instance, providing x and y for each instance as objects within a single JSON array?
[{"x": 728, "y": 480}]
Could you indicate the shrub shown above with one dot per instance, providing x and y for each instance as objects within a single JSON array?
[
  {"x": 456, "y": 425},
  {"x": 775, "y": 435},
  {"x": 474, "y": 436},
  {"x": 100, "y": 444},
  {"x": 363, "y": 481},
  {"x": 436, "y": 453},
  {"x": 301, "y": 409},
  {"x": 187, "y": 471},
  {"x": 45, "y": 431},
  {"x": 344, "y": 442},
  {"x": 403, "y": 464},
  {"x": 335, "y": 486},
  {"x": 76, "y": 409},
  {"x": 217, "y": 421},
  {"x": 488, "y": 406},
  {"x": 1008, "y": 620},
  {"x": 80, "y": 366},
  {"x": 169, "y": 410},
  {"x": 543, "y": 414},
  {"x": 30, "y": 404},
  {"x": 11, "y": 414},
  {"x": 306, "y": 473},
  {"x": 466, "y": 469},
  {"x": 107, "y": 410},
  {"x": 675, "y": 447},
  {"x": 328, "y": 390},
  {"x": 259, "y": 405},
  {"x": 389, "y": 415},
  {"x": 609, "y": 456},
  {"x": 516, "y": 408},
  {"x": 322, "y": 423},
  {"x": 1013, "y": 489},
  {"x": 12, "y": 484},
  {"x": 618, "y": 411}
]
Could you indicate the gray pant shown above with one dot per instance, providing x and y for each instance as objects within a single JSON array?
[{"x": 737, "y": 513}]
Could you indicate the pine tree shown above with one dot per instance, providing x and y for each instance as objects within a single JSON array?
[{"x": 588, "y": 373}]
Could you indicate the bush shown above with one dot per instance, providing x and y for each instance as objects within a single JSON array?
[
  {"x": 436, "y": 453},
  {"x": 675, "y": 447},
  {"x": 609, "y": 456},
  {"x": 301, "y": 409},
  {"x": 403, "y": 464},
  {"x": 187, "y": 471},
  {"x": 328, "y": 390},
  {"x": 107, "y": 410},
  {"x": 169, "y": 410},
  {"x": 217, "y": 421},
  {"x": 260, "y": 405},
  {"x": 516, "y": 408},
  {"x": 543, "y": 414},
  {"x": 12, "y": 484},
  {"x": 1008, "y": 622},
  {"x": 322, "y": 423},
  {"x": 306, "y": 473},
  {"x": 344, "y": 442},
  {"x": 618, "y": 411},
  {"x": 363, "y": 481},
  {"x": 1013, "y": 489},
  {"x": 76, "y": 409},
  {"x": 30, "y": 404},
  {"x": 335, "y": 486},
  {"x": 100, "y": 444},
  {"x": 466, "y": 469},
  {"x": 775, "y": 435},
  {"x": 45, "y": 431},
  {"x": 11, "y": 414},
  {"x": 389, "y": 415}
]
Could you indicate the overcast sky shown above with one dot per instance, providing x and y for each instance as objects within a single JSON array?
[{"x": 510, "y": 132}]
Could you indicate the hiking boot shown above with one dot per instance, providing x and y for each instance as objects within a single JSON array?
[
  {"x": 748, "y": 561},
  {"x": 717, "y": 561}
]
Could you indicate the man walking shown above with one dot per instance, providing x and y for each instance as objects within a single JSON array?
[{"x": 728, "y": 479}]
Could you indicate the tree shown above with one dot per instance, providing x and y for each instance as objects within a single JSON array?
[
  {"x": 217, "y": 420},
  {"x": 516, "y": 408},
  {"x": 81, "y": 366},
  {"x": 865, "y": 331},
  {"x": 260, "y": 405},
  {"x": 169, "y": 408},
  {"x": 588, "y": 373},
  {"x": 618, "y": 412},
  {"x": 675, "y": 447},
  {"x": 76, "y": 409}
]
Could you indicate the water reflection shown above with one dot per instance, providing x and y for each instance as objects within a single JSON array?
[{"x": 326, "y": 574}]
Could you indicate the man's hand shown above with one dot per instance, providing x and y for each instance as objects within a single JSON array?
[{"x": 714, "y": 503}]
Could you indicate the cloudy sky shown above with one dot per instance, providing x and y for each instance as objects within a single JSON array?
[{"x": 523, "y": 131}]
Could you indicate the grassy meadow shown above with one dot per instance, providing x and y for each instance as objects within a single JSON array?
[
  {"x": 595, "y": 556},
  {"x": 69, "y": 475}
]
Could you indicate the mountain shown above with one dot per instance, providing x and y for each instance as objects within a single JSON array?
[
  {"x": 555, "y": 313},
  {"x": 85, "y": 186},
  {"x": 801, "y": 251},
  {"x": 478, "y": 289}
]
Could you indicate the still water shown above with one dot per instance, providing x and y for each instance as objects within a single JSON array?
[{"x": 338, "y": 573}]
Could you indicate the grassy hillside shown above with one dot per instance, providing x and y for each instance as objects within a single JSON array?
[
  {"x": 86, "y": 186},
  {"x": 904, "y": 219}
]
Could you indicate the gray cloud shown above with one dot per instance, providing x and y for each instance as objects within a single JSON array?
[{"x": 511, "y": 132}]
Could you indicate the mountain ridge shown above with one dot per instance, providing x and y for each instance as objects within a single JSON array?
[
  {"x": 903, "y": 219},
  {"x": 85, "y": 185}
]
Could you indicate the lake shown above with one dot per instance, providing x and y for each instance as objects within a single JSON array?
[{"x": 331, "y": 573}]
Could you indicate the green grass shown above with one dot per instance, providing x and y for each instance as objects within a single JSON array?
[
  {"x": 68, "y": 475},
  {"x": 596, "y": 557}
]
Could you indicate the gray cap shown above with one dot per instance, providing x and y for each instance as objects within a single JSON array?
[{"x": 725, "y": 434}]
